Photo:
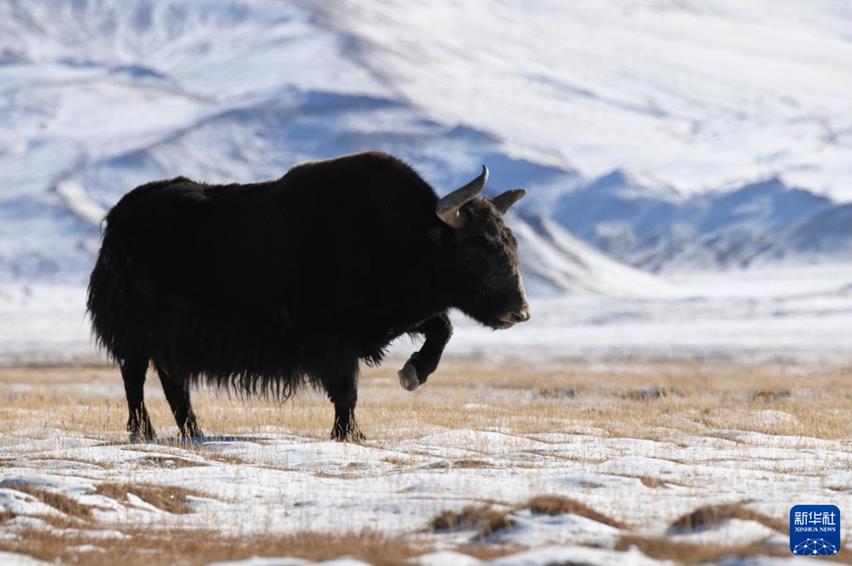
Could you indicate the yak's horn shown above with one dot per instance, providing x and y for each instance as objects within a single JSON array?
[
  {"x": 504, "y": 201},
  {"x": 448, "y": 207}
]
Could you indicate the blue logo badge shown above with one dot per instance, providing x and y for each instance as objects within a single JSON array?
[{"x": 814, "y": 529}]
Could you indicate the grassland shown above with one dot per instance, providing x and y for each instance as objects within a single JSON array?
[{"x": 668, "y": 461}]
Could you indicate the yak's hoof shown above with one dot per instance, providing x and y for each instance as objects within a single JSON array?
[
  {"x": 191, "y": 434},
  {"x": 140, "y": 428},
  {"x": 352, "y": 434},
  {"x": 140, "y": 437},
  {"x": 408, "y": 377}
]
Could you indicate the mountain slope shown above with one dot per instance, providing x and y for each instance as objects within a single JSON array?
[
  {"x": 660, "y": 229},
  {"x": 827, "y": 234},
  {"x": 691, "y": 94},
  {"x": 556, "y": 262}
]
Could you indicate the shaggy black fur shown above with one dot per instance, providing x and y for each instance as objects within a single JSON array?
[{"x": 263, "y": 287}]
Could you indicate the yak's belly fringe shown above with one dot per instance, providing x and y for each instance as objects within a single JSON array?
[
  {"x": 243, "y": 384},
  {"x": 242, "y": 356}
]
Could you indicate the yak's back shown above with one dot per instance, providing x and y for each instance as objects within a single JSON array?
[
  {"x": 232, "y": 275},
  {"x": 249, "y": 241},
  {"x": 220, "y": 246}
]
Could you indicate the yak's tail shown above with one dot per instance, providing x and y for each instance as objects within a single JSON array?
[
  {"x": 119, "y": 291},
  {"x": 115, "y": 304}
]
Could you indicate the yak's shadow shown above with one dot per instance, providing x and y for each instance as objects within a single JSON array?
[{"x": 179, "y": 442}]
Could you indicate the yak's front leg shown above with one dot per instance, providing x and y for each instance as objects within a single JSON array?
[{"x": 422, "y": 363}]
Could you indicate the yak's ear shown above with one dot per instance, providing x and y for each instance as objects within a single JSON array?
[{"x": 436, "y": 235}]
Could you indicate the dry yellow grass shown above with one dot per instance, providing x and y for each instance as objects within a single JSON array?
[
  {"x": 652, "y": 482},
  {"x": 554, "y": 505},
  {"x": 168, "y": 498},
  {"x": 638, "y": 400},
  {"x": 710, "y": 515},
  {"x": 487, "y": 520},
  {"x": 58, "y": 501},
  {"x": 481, "y": 518},
  {"x": 145, "y": 546}
]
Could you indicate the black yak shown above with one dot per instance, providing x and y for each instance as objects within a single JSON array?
[{"x": 266, "y": 286}]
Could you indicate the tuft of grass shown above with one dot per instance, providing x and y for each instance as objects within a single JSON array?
[
  {"x": 710, "y": 515},
  {"x": 556, "y": 392},
  {"x": 168, "y": 498},
  {"x": 652, "y": 482},
  {"x": 486, "y": 520},
  {"x": 482, "y": 518},
  {"x": 653, "y": 393},
  {"x": 170, "y": 462},
  {"x": 58, "y": 501},
  {"x": 557, "y": 505},
  {"x": 770, "y": 395},
  {"x": 471, "y": 463}
]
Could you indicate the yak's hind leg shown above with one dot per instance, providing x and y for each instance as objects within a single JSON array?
[
  {"x": 133, "y": 369},
  {"x": 345, "y": 398},
  {"x": 339, "y": 377},
  {"x": 176, "y": 389}
]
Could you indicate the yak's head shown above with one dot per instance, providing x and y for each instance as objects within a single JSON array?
[{"x": 484, "y": 255}]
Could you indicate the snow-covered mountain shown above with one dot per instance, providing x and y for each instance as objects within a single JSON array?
[
  {"x": 102, "y": 95},
  {"x": 657, "y": 229},
  {"x": 826, "y": 234},
  {"x": 557, "y": 262},
  {"x": 693, "y": 94}
]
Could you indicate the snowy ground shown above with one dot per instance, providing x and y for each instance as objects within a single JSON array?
[{"x": 623, "y": 452}]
